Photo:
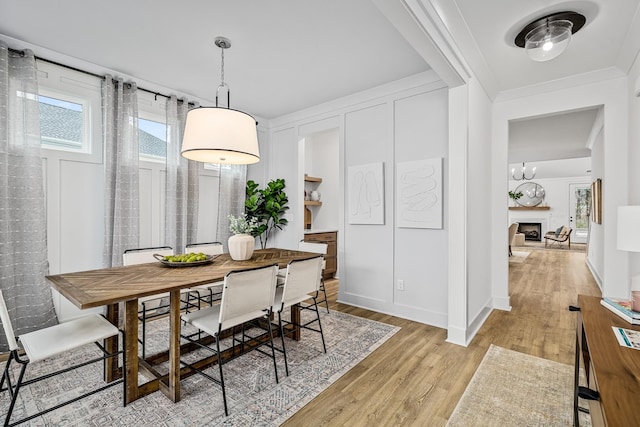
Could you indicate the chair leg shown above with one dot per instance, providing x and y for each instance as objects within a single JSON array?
[
  {"x": 273, "y": 351},
  {"x": 124, "y": 369},
  {"x": 284, "y": 350},
  {"x": 5, "y": 374},
  {"x": 14, "y": 397},
  {"x": 224, "y": 393},
  {"x": 144, "y": 329},
  {"x": 324, "y": 291},
  {"x": 315, "y": 302}
]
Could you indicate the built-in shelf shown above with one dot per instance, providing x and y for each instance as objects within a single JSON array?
[
  {"x": 529, "y": 208},
  {"x": 312, "y": 179},
  {"x": 312, "y": 203}
]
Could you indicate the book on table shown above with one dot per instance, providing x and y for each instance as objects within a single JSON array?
[{"x": 622, "y": 308}]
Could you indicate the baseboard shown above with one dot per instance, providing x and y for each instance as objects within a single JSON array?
[{"x": 594, "y": 273}]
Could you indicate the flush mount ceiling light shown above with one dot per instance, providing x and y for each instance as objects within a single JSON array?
[
  {"x": 548, "y": 36},
  {"x": 220, "y": 134}
]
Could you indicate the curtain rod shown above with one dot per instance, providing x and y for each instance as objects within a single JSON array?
[{"x": 157, "y": 94}]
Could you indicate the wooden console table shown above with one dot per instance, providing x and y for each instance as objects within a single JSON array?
[{"x": 611, "y": 370}]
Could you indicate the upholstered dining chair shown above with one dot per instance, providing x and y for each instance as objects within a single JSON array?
[
  {"x": 51, "y": 341},
  {"x": 513, "y": 228},
  {"x": 246, "y": 295},
  {"x": 154, "y": 305},
  {"x": 209, "y": 292},
  {"x": 319, "y": 248},
  {"x": 302, "y": 282}
]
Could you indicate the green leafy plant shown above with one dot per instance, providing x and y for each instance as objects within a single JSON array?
[
  {"x": 515, "y": 196},
  {"x": 267, "y": 206},
  {"x": 242, "y": 225}
]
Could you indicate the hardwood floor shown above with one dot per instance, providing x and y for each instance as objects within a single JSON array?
[{"x": 416, "y": 378}]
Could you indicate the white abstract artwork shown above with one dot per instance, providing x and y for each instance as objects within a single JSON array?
[
  {"x": 366, "y": 194},
  {"x": 419, "y": 194}
]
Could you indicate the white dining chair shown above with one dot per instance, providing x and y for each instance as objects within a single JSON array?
[
  {"x": 51, "y": 341},
  {"x": 246, "y": 295},
  {"x": 302, "y": 282},
  {"x": 209, "y": 292},
  {"x": 319, "y": 248},
  {"x": 151, "y": 306}
]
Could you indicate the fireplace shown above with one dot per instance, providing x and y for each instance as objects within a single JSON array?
[{"x": 531, "y": 230}]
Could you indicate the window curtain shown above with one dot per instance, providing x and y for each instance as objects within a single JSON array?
[
  {"x": 233, "y": 183},
  {"x": 120, "y": 141},
  {"x": 23, "y": 234},
  {"x": 181, "y": 191}
]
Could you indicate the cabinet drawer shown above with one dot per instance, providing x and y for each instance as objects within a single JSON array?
[{"x": 320, "y": 237}]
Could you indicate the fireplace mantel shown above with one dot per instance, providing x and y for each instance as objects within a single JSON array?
[{"x": 529, "y": 208}]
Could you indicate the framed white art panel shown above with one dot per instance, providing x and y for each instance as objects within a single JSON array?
[
  {"x": 419, "y": 194},
  {"x": 366, "y": 194}
]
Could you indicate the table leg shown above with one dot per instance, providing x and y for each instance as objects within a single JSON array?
[
  {"x": 131, "y": 341},
  {"x": 295, "y": 319},
  {"x": 173, "y": 391},
  {"x": 111, "y": 345}
]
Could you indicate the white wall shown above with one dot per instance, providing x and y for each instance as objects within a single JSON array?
[
  {"x": 613, "y": 95},
  {"x": 595, "y": 255},
  {"x": 634, "y": 151},
  {"x": 401, "y": 121},
  {"x": 479, "y": 291}
]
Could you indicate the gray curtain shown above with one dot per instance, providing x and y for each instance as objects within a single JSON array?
[
  {"x": 23, "y": 234},
  {"x": 120, "y": 140},
  {"x": 233, "y": 182},
  {"x": 181, "y": 191}
]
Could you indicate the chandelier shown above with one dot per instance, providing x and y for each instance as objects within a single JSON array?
[
  {"x": 523, "y": 173},
  {"x": 220, "y": 134}
]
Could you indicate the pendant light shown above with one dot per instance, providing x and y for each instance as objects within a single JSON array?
[
  {"x": 523, "y": 174},
  {"x": 220, "y": 134},
  {"x": 547, "y": 37}
]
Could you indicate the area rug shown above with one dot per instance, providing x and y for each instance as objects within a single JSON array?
[
  {"x": 518, "y": 256},
  {"x": 253, "y": 396},
  {"x": 515, "y": 389}
]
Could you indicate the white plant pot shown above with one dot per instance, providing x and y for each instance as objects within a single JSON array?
[{"x": 241, "y": 246}]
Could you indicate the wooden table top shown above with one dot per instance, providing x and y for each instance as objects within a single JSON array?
[
  {"x": 95, "y": 288},
  {"x": 617, "y": 368}
]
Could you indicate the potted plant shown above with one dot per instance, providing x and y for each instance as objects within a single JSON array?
[
  {"x": 242, "y": 242},
  {"x": 515, "y": 196},
  {"x": 267, "y": 206}
]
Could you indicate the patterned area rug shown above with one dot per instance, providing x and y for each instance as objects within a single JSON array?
[
  {"x": 515, "y": 389},
  {"x": 253, "y": 396}
]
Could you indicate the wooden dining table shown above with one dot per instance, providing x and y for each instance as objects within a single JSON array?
[{"x": 111, "y": 286}]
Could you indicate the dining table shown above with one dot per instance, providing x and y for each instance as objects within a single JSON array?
[{"x": 109, "y": 287}]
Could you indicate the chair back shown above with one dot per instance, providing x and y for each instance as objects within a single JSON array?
[
  {"x": 6, "y": 324},
  {"x": 211, "y": 248},
  {"x": 303, "y": 278},
  {"x": 513, "y": 228},
  {"x": 318, "y": 248},
  {"x": 246, "y": 295},
  {"x": 144, "y": 255}
]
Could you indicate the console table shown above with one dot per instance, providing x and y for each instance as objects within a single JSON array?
[{"x": 611, "y": 370}]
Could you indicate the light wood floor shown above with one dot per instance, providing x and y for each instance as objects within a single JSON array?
[{"x": 416, "y": 378}]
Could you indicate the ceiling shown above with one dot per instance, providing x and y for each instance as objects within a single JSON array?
[
  {"x": 285, "y": 55},
  {"x": 290, "y": 55}
]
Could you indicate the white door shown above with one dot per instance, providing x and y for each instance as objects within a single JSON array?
[{"x": 579, "y": 197}]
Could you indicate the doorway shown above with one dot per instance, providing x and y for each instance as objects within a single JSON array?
[{"x": 579, "y": 200}]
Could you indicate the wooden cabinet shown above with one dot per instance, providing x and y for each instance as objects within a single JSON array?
[
  {"x": 611, "y": 370},
  {"x": 331, "y": 239}
]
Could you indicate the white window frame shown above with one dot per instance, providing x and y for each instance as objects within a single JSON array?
[{"x": 62, "y": 83}]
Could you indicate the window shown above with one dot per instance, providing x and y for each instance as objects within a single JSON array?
[
  {"x": 61, "y": 124},
  {"x": 70, "y": 120},
  {"x": 152, "y": 138}
]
